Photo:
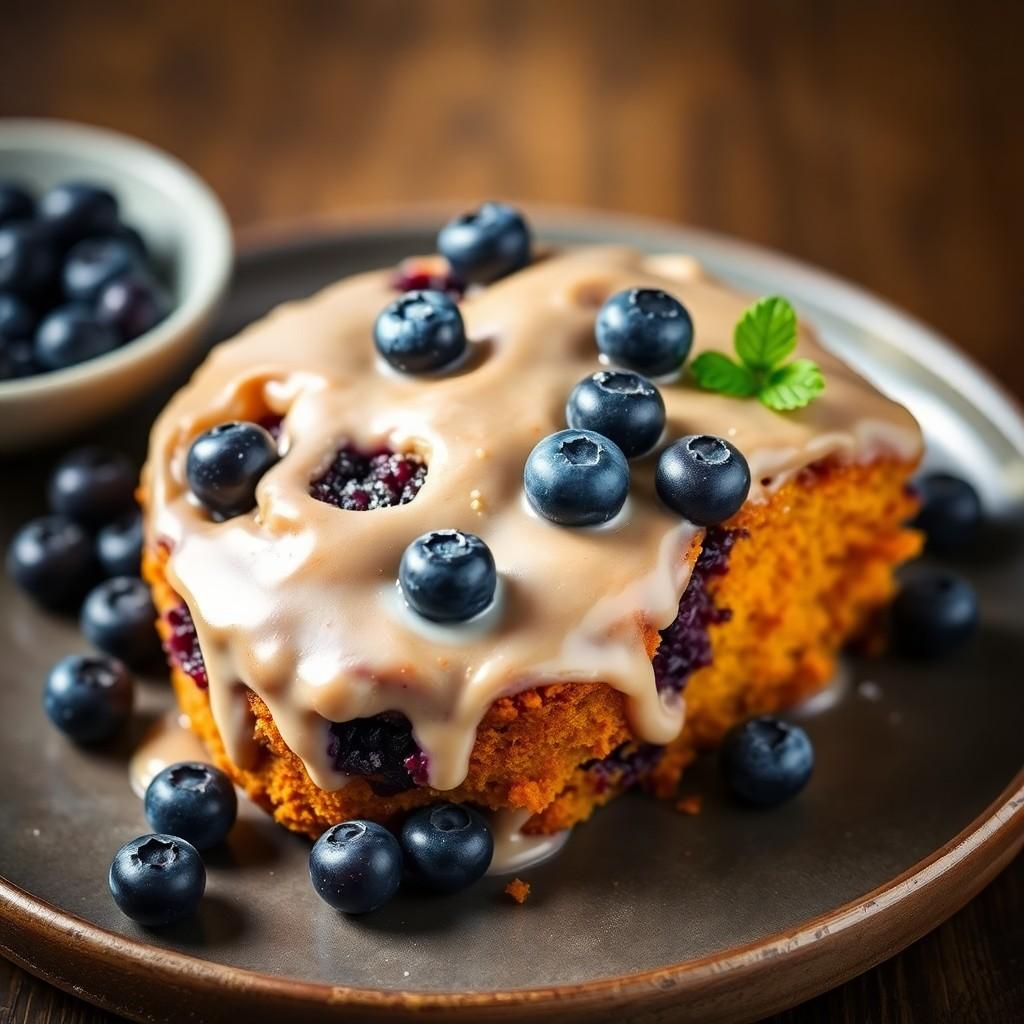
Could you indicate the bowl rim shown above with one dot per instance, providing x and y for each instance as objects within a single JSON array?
[{"x": 53, "y": 135}]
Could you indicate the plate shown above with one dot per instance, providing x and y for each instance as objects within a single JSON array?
[{"x": 916, "y": 803}]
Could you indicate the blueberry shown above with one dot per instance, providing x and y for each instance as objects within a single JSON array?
[
  {"x": 78, "y": 209},
  {"x": 490, "y": 242},
  {"x": 623, "y": 406},
  {"x": 93, "y": 486},
  {"x": 18, "y": 359},
  {"x": 157, "y": 880},
  {"x": 88, "y": 697},
  {"x": 420, "y": 332},
  {"x": 118, "y": 617},
  {"x": 646, "y": 330},
  {"x": 226, "y": 463},
  {"x": 703, "y": 478},
  {"x": 194, "y": 801},
  {"x": 119, "y": 546},
  {"x": 132, "y": 304},
  {"x": 447, "y": 847},
  {"x": 577, "y": 478},
  {"x": 51, "y": 559},
  {"x": 93, "y": 263},
  {"x": 934, "y": 612},
  {"x": 950, "y": 511},
  {"x": 766, "y": 761},
  {"x": 132, "y": 238},
  {"x": 356, "y": 866},
  {"x": 71, "y": 335},
  {"x": 17, "y": 320},
  {"x": 15, "y": 203},
  {"x": 28, "y": 260},
  {"x": 448, "y": 575}
]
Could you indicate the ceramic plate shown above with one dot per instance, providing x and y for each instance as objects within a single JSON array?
[{"x": 916, "y": 802}]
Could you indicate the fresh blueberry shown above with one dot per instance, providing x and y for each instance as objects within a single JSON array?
[
  {"x": 15, "y": 203},
  {"x": 132, "y": 304},
  {"x": 119, "y": 545},
  {"x": 18, "y": 359},
  {"x": 356, "y": 866},
  {"x": 226, "y": 463},
  {"x": 51, "y": 559},
  {"x": 93, "y": 263},
  {"x": 17, "y": 320},
  {"x": 447, "y": 847},
  {"x": 950, "y": 511},
  {"x": 934, "y": 612},
  {"x": 448, "y": 575},
  {"x": 157, "y": 880},
  {"x": 118, "y": 617},
  {"x": 132, "y": 238},
  {"x": 703, "y": 478},
  {"x": 88, "y": 697},
  {"x": 78, "y": 209},
  {"x": 646, "y": 330},
  {"x": 621, "y": 405},
  {"x": 194, "y": 801},
  {"x": 577, "y": 478},
  {"x": 420, "y": 332},
  {"x": 93, "y": 486},
  {"x": 490, "y": 242},
  {"x": 766, "y": 761},
  {"x": 28, "y": 260},
  {"x": 71, "y": 335}
]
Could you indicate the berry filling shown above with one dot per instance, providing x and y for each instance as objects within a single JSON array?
[
  {"x": 685, "y": 645},
  {"x": 182, "y": 645},
  {"x": 271, "y": 423},
  {"x": 361, "y": 481},
  {"x": 625, "y": 766},
  {"x": 427, "y": 274},
  {"x": 381, "y": 748}
]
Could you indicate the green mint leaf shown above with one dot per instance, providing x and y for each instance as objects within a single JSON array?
[
  {"x": 766, "y": 333},
  {"x": 716, "y": 372},
  {"x": 792, "y": 386}
]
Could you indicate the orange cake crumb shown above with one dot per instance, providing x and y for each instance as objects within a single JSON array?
[
  {"x": 518, "y": 890},
  {"x": 689, "y": 804}
]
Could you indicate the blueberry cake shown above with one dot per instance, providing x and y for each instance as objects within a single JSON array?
[{"x": 473, "y": 528}]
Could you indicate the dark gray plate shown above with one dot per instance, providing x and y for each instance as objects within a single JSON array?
[{"x": 917, "y": 798}]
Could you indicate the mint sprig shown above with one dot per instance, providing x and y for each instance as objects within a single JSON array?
[{"x": 764, "y": 338}]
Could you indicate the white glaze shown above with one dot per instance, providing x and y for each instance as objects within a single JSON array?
[{"x": 515, "y": 850}]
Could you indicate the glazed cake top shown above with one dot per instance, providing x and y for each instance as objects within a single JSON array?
[{"x": 297, "y": 599}]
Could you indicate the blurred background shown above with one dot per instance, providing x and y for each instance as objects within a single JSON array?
[{"x": 880, "y": 140}]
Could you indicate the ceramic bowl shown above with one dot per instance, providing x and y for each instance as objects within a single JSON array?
[{"x": 185, "y": 228}]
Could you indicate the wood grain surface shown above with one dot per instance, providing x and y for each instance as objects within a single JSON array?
[{"x": 879, "y": 140}]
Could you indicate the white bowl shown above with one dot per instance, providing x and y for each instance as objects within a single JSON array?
[{"x": 184, "y": 226}]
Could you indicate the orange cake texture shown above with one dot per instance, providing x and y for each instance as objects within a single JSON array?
[
  {"x": 518, "y": 890},
  {"x": 808, "y": 570}
]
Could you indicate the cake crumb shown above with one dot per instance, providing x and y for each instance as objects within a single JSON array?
[
  {"x": 689, "y": 804},
  {"x": 518, "y": 890}
]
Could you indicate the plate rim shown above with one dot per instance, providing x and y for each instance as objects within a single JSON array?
[
  {"x": 946, "y": 878},
  {"x": 973, "y": 857}
]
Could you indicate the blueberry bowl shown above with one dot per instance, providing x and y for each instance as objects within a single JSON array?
[{"x": 98, "y": 327}]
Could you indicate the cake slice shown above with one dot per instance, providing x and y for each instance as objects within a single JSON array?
[{"x": 610, "y": 656}]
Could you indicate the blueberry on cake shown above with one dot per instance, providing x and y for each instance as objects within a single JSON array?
[{"x": 516, "y": 527}]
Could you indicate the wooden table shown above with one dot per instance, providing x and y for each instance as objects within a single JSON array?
[{"x": 882, "y": 141}]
